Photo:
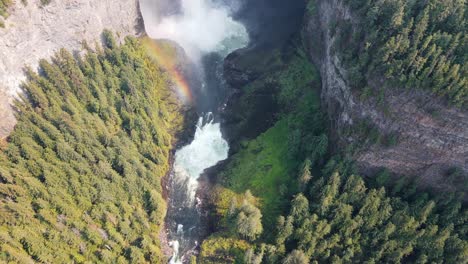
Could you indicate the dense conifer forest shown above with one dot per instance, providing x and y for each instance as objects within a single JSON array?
[
  {"x": 80, "y": 176},
  {"x": 415, "y": 44},
  {"x": 282, "y": 199}
]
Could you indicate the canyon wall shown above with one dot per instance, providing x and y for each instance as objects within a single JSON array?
[
  {"x": 432, "y": 138},
  {"x": 35, "y": 31}
]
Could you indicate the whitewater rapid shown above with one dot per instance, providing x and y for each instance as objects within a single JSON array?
[
  {"x": 207, "y": 148},
  {"x": 201, "y": 28}
]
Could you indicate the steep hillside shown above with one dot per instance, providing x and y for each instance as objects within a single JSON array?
[
  {"x": 290, "y": 194},
  {"x": 37, "y": 30},
  {"x": 80, "y": 175},
  {"x": 410, "y": 127},
  {"x": 281, "y": 198}
]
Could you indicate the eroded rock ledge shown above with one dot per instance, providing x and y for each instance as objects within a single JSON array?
[
  {"x": 432, "y": 137},
  {"x": 33, "y": 32}
]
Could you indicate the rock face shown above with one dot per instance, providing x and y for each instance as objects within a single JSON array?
[
  {"x": 235, "y": 75},
  {"x": 432, "y": 137},
  {"x": 33, "y": 32}
]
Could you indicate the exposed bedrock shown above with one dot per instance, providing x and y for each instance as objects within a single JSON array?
[
  {"x": 36, "y": 31},
  {"x": 432, "y": 138}
]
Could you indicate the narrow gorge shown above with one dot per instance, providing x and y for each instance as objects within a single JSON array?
[
  {"x": 206, "y": 50},
  {"x": 233, "y": 131}
]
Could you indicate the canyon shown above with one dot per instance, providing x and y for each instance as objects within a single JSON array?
[
  {"x": 432, "y": 137},
  {"x": 279, "y": 129}
]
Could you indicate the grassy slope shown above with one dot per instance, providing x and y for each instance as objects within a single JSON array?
[{"x": 263, "y": 165}]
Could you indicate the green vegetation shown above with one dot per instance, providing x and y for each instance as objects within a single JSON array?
[
  {"x": 415, "y": 44},
  {"x": 80, "y": 176},
  {"x": 322, "y": 212},
  {"x": 45, "y": 2},
  {"x": 342, "y": 220},
  {"x": 246, "y": 218},
  {"x": 260, "y": 168},
  {"x": 262, "y": 164},
  {"x": 217, "y": 249},
  {"x": 4, "y": 5}
]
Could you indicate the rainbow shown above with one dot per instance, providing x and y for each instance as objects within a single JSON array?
[{"x": 165, "y": 55}]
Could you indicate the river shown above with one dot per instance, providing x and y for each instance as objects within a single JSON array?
[{"x": 207, "y": 33}]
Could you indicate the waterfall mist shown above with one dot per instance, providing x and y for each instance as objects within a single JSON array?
[
  {"x": 207, "y": 33},
  {"x": 199, "y": 26}
]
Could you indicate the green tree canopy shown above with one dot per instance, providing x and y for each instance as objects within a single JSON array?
[{"x": 80, "y": 175}]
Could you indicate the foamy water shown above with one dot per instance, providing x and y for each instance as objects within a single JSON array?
[
  {"x": 200, "y": 27},
  {"x": 207, "y": 148}
]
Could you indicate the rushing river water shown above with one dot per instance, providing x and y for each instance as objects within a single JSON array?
[
  {"x": 207, "y": 148},
  {"x": 205, "y": 30}
]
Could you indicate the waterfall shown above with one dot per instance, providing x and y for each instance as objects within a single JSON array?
[
  {"x": 207, "y": 148},
  {"x": 175, "y": 255},
  {"x": 201, "y": 28}
]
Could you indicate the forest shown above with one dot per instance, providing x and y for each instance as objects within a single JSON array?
[
  {"x": 282, "y": 197},
  {"x": 80, "y": 176},
  {"x": 287, "y": 196},
  {"x": 84, "y": 175},
  {"x": 414, "y": 44},
  {"x": 4, "y": 5}
]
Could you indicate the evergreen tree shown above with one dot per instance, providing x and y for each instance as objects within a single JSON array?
[
  {"x": 80, "y": 177},
  {"x": 305, "y": 175}
]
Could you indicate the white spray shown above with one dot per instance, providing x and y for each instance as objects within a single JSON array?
[
  {"x": 207, "y": 148},
  {"x": 200, "y": 27},
  {"x": 175, "y": 255}
]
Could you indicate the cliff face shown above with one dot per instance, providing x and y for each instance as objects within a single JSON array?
[
  {"x": 34, "y": 31},
  {"x": 432, "y": 138}
]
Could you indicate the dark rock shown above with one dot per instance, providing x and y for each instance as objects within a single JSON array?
[
  {"x": 252, "y": 106},
  {"x": 237, "y": 76}
]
